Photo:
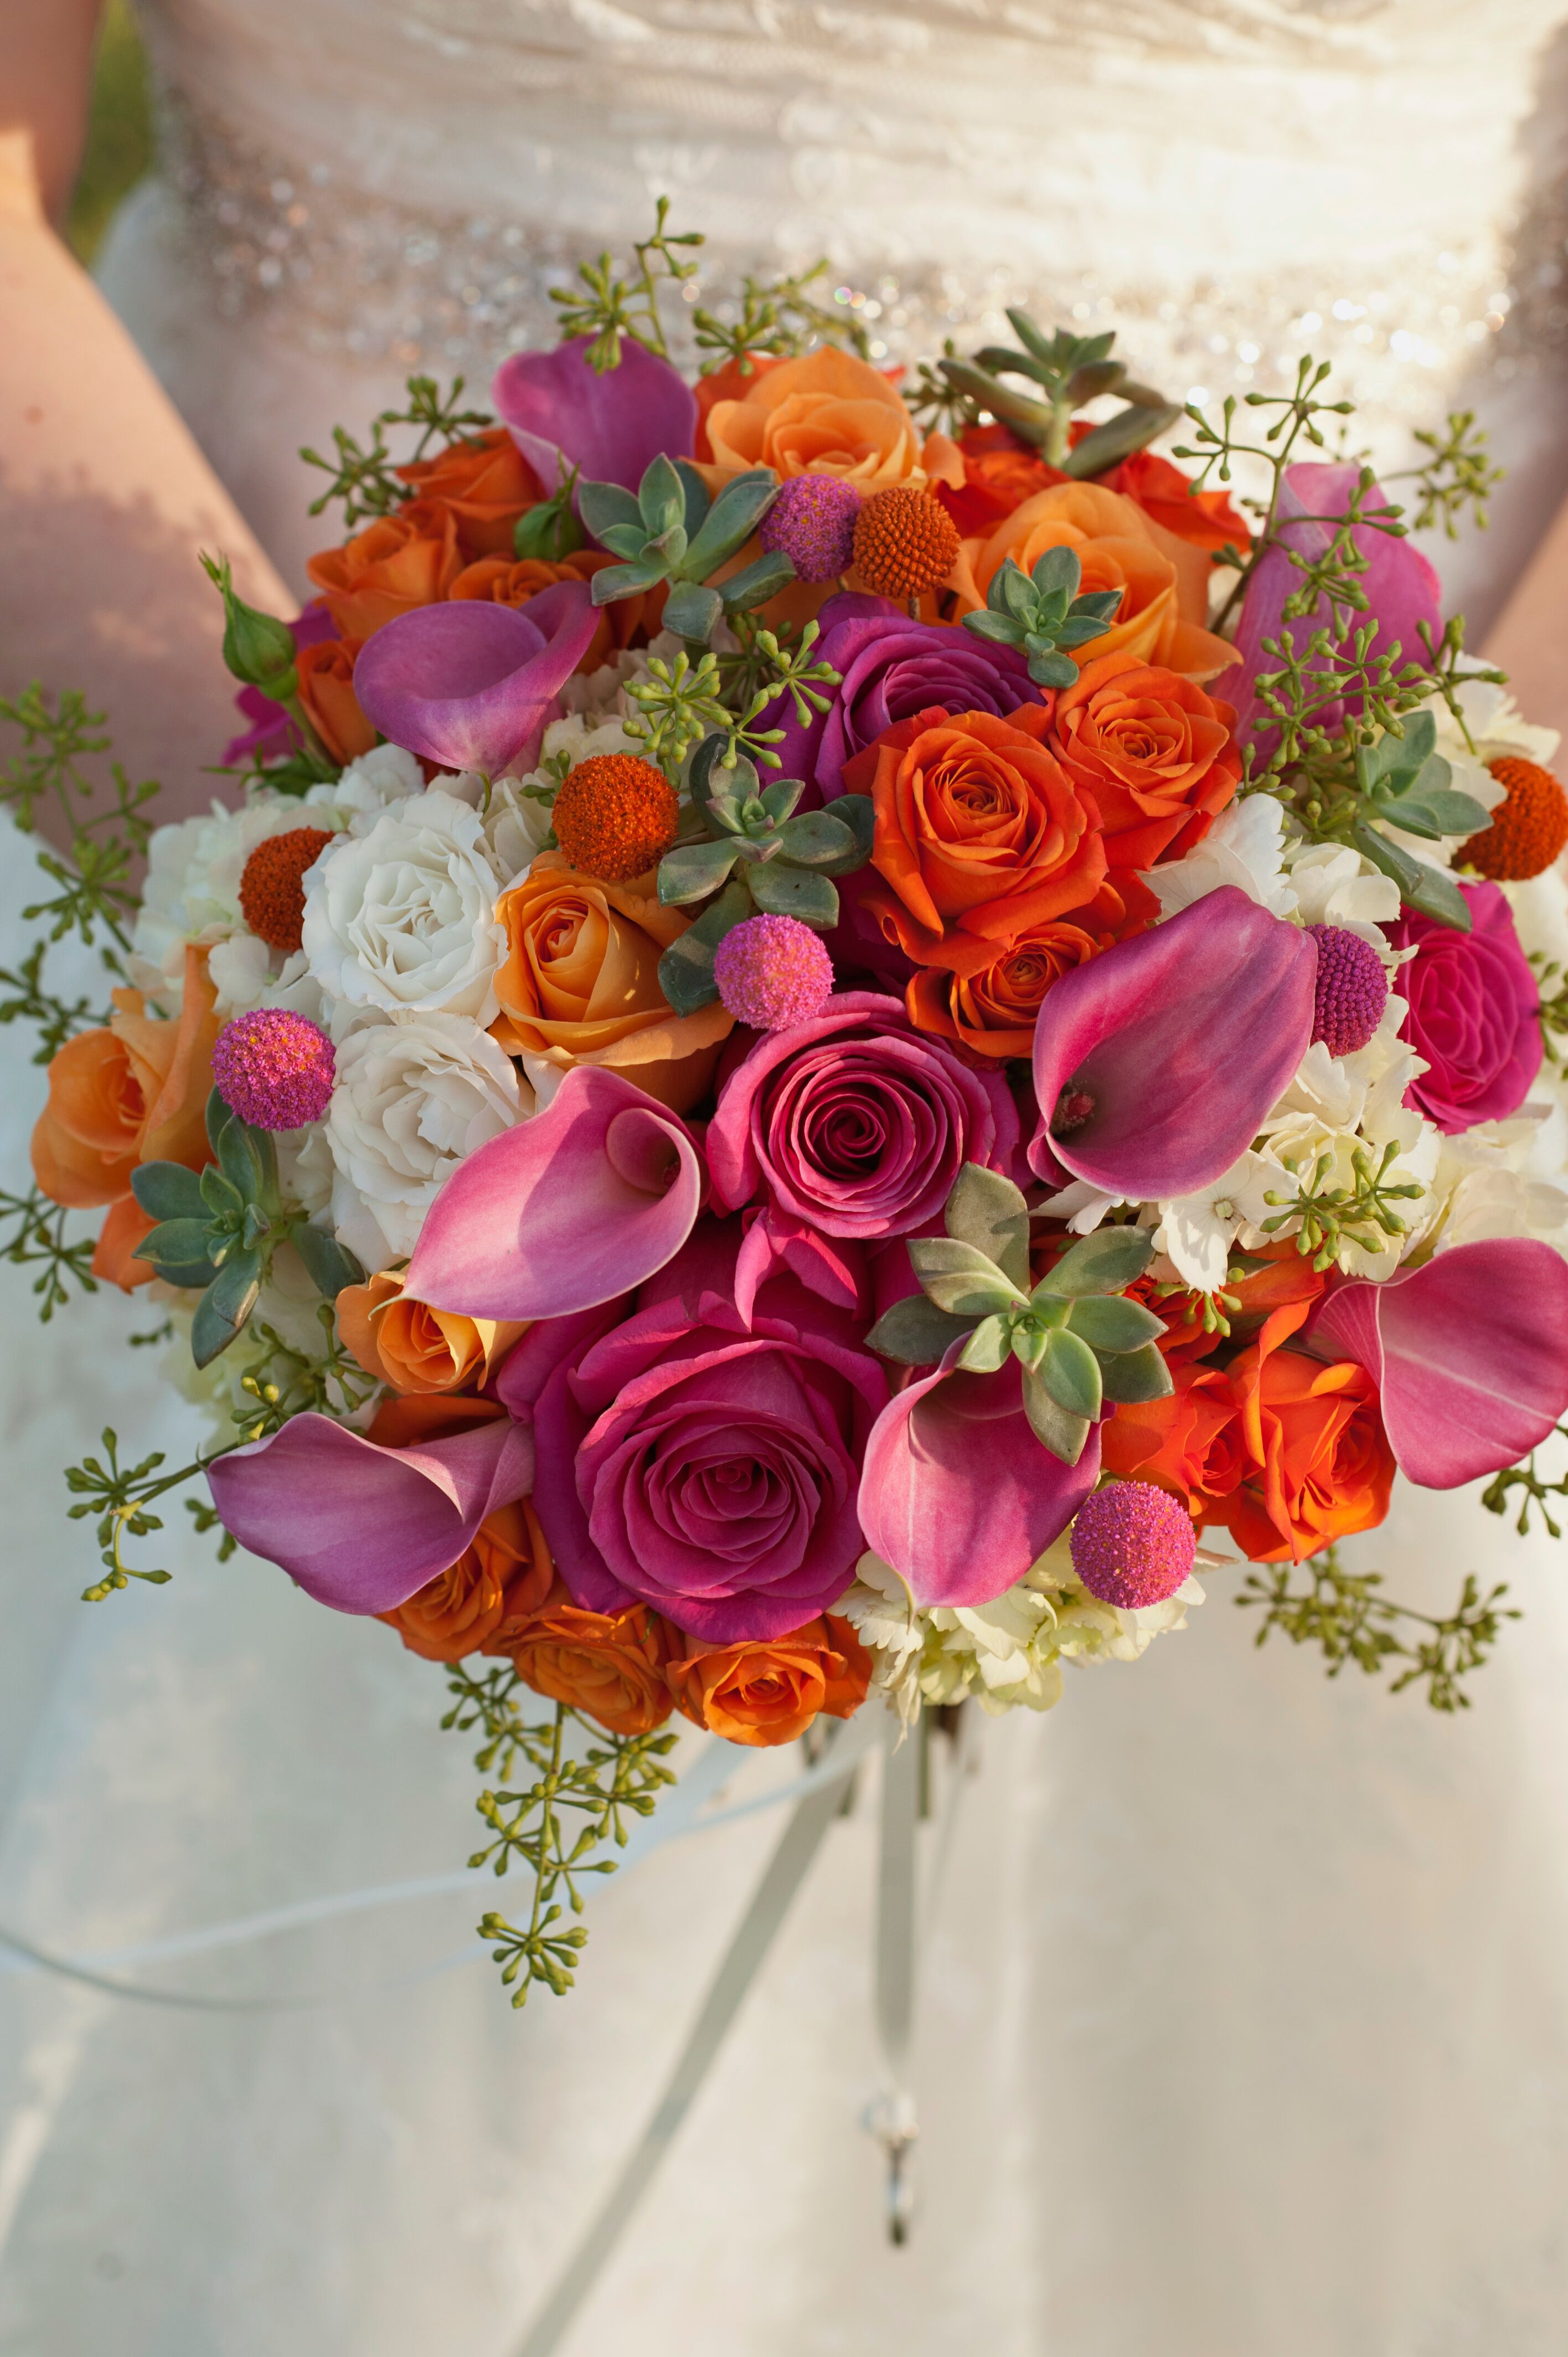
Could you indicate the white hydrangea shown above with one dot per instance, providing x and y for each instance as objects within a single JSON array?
[
  {"x": 402, "y": 917},
  {"x": 1333, "y": 885},
  {"x": 1245, "y": 847},
  {"x": 1008, "y": 1654},
  {"x": 1506, "y": 1177}
]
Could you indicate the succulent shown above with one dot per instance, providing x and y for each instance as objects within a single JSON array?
[
  {"x": 1040, "y": 611},
  {"x": 1077, "y": 1341},
  {"x": 218, "y": 1229},
  {"x": 1405, "y": 782},
  {"x": 757, "y": 856},
  {"x": 1070, "y": 370},
  {"x": 673, "y": 530}
]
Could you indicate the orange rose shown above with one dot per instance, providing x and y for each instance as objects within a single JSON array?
[
  {"x": 771, "y": 1692},
  {"x": 414, "y": 1349},
  {"x": 1319, "y": 1463},
  {"x": 1162, "y": 605},
  {"x": 508, "y": 581},
  {"x": 991, "y": 1011},
  {"x": 1205, "y": 518},
  {"x": 486, "y": 482},
  {"x": 1278, "y": 1275},
  {"x": 999, "y": 474},
  {"x": 980, "y": 834},
  {"x": 1158, "y": 756},
  {"x": 1189, "y": 1442},
  {"x": 487, "y": 1597},
  {"x": 609, "y": 1665},
  {"x": 325, "y": 675},
  {"x": 827, "y": 414},
  {"x": 403, "y": 560},
  {"x": 135, "y": 1091},
  {"x": 579, "y": 983}
]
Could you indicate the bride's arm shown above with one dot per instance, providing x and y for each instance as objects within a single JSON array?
[
  {"x": 105, "y": 498},
  {"x": 1529, "y": 638}
]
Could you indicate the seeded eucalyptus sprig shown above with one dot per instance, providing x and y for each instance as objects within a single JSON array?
[
  {"x": 1077, "y": 1343},
  {"x": 219, "y": 1228},
  {"x": 1040, "y": 611}
]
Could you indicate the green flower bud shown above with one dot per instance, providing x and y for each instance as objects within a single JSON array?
[{"x": 258, "y": 648}]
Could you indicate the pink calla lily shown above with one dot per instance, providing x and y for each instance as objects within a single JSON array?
[
  {"x": 957, "y": 1494},
  {"x": 1469, "y": 1353},
  {"x": 556, "y": 406},
  {"x": 1156, "y": 1063},
  {"x": 564, "y": 1211},
  {"x": 469, "y": 684},
  {"x": 360, "y": 1527}
]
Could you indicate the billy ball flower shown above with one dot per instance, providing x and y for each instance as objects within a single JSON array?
[
  {"x": 273, "y": 1067},
  {"x": 271, "y": 888},
  {"x": 773, "y": 972},
  {"x": 904, "y": 543},
  {"x": 1528, "y": 828},
  {"x": 812, "y": 522},
  {"x": 614, "y": 817},
  {"x": 1132, "y": 1544},
  {"x": 1352, "y": 989}
]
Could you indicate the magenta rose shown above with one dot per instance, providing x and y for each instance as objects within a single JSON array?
[
  {"x": 704, "y": 1466},
  {"x": 855, "y": 1123},
  {"x": 892, "y": 667},
  {"x": 1472, "y": 1006}
]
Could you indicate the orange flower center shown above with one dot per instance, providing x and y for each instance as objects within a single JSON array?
[
  {"x": 1528, "y": 828},
  {"x": 614, "y": 817},
  {"x": 271, "y": 889},
  {"x": 904, "y": 543}
]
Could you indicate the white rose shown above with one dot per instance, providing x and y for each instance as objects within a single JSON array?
[
  {"x": 412, "y": 1099},
  {"x": 403, "y": 918},
  {"x": 374, "y": 783}
]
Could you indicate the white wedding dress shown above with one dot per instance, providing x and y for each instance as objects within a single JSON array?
[{"x": 1245, "y": 2027}]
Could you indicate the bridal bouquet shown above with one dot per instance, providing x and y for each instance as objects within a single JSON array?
[{"x": 835, "y": 1015}]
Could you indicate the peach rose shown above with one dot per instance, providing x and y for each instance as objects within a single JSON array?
[
  {"x": 1190, "y": 1442},
  {"x": 1161, "y": 610},
  {"x": 512, "y": 581},
  {"x": 325, "y": 675},
  {"x": 980, "y": 834},
  {"x": 416, "y": 1349},
  {"x": 991, "y": 1011},
  {"x": 826, "y": 414},
  {"x": 1158, "y": 755},
  {"x": 486, "y": 482},
  {"x": 484, "y": 1600},
  {"x": 579, "y": 982},
  {"x": 731, "y": 382},
  {"x": 403, "y": 560},
  {"x": 769, "y": 1692},
  {"x": 608, "y": 1665},
  {"x": 133, "y": 1091},
  {"x": 1319, "y": 1464}
]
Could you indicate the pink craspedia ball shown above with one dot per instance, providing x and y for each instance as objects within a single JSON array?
[
  {"x": 1132, "y": 1544},
  {"x": 773, "y": 973},
  {"x": 274, "y": 1069},
  {"x": 1352, "y": 989},
  {"x": 812, "y": 522}
]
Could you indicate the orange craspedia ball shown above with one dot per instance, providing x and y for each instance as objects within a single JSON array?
[
  {"x": 904, "y": 543},
  {"x": 271, "y": 889},
  {"x": 1528, "y": 828},
  {"x": 614, "y": 817}
]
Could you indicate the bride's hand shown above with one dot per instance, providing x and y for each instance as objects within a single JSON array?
[{"x": 105, "y": 498}]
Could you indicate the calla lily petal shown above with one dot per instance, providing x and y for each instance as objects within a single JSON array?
[
  {"x": 957, "y": 1494},
  {"x": 555, "y": 407},
  {"x": 1156, "y": 1063},
  {"x": 1468, "y": 1353},
  {"x": 565, "y": 1210},
  {"x": 360, "y": 1527},
  {"x": 470, "y": 685}
]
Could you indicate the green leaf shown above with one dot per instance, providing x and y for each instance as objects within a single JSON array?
[
  {"x": 985, "y": 1210},
  {"x": 1106, "y": 1262},
  {"x": 175, "y": 1243},
  {"x": 779, "y": 796},
  {"x": 686, "y": 968},
  {"x": 858, "y": 813},
  {"x": 1135, "y": 1375},
  {"x": 1106, "y": 1322},
  {"x": 660, "y": 497},
  {"x": 916, "y": 1332},
  {"x": 731, "y": 521},
  {"x": 329, "y": 1265},
  {"x": 239, "y": 1160},
  {"x": 987, "y": 1347},
  {"x": 1425, "y": 888},
  {"x": 626, "y": 540},
  {"x": 820, "y": 839},
  {"x": 1439, "y": 813},
  {"x": 699, "y": 498},
  {"x": 612, "y": 582},
  {"x": 1031, "y": 419},
  {"x": 1051, "y": 670},
  {"x": 549, "y": 530},
  {"x": 1403, "y": 756},
  {"x": 219, "y": 1116},
  {"x": 1070, "y": 1373},
  {"x": 960, "y": 1278},
  {"x": 1131, "y": 429},
  {"x": 692, "y": 870},
  {"x": 691, "y": 611},
  {"x": 225, "y": 1305},
  {"x": 602, "y": 505},
  {"x": 223, "y": 1199},
  {"x": 781, "y": 890},
  {"x": 1002, "y": 629},
  {"x": 757, "y": 583},
  {"x": 1063, "y": 1434},
  {"x": 700, "y": 768},
  {"x": 168, "y": 1190},
  {"x": 1013, "y": 592},
  {"x": 1058, "y": 573}
]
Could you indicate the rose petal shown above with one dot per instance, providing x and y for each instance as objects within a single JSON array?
[{"x": 470, "y": 685}]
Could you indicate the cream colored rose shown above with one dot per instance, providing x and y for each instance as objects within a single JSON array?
[{"x": 402, "y": 919}]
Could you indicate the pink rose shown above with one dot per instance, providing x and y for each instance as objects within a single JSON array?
[
  {"x": 855, "y": 1123},
  {"x": 1472, "y": 1004},
  {"x": 705, "y": 1467}
]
